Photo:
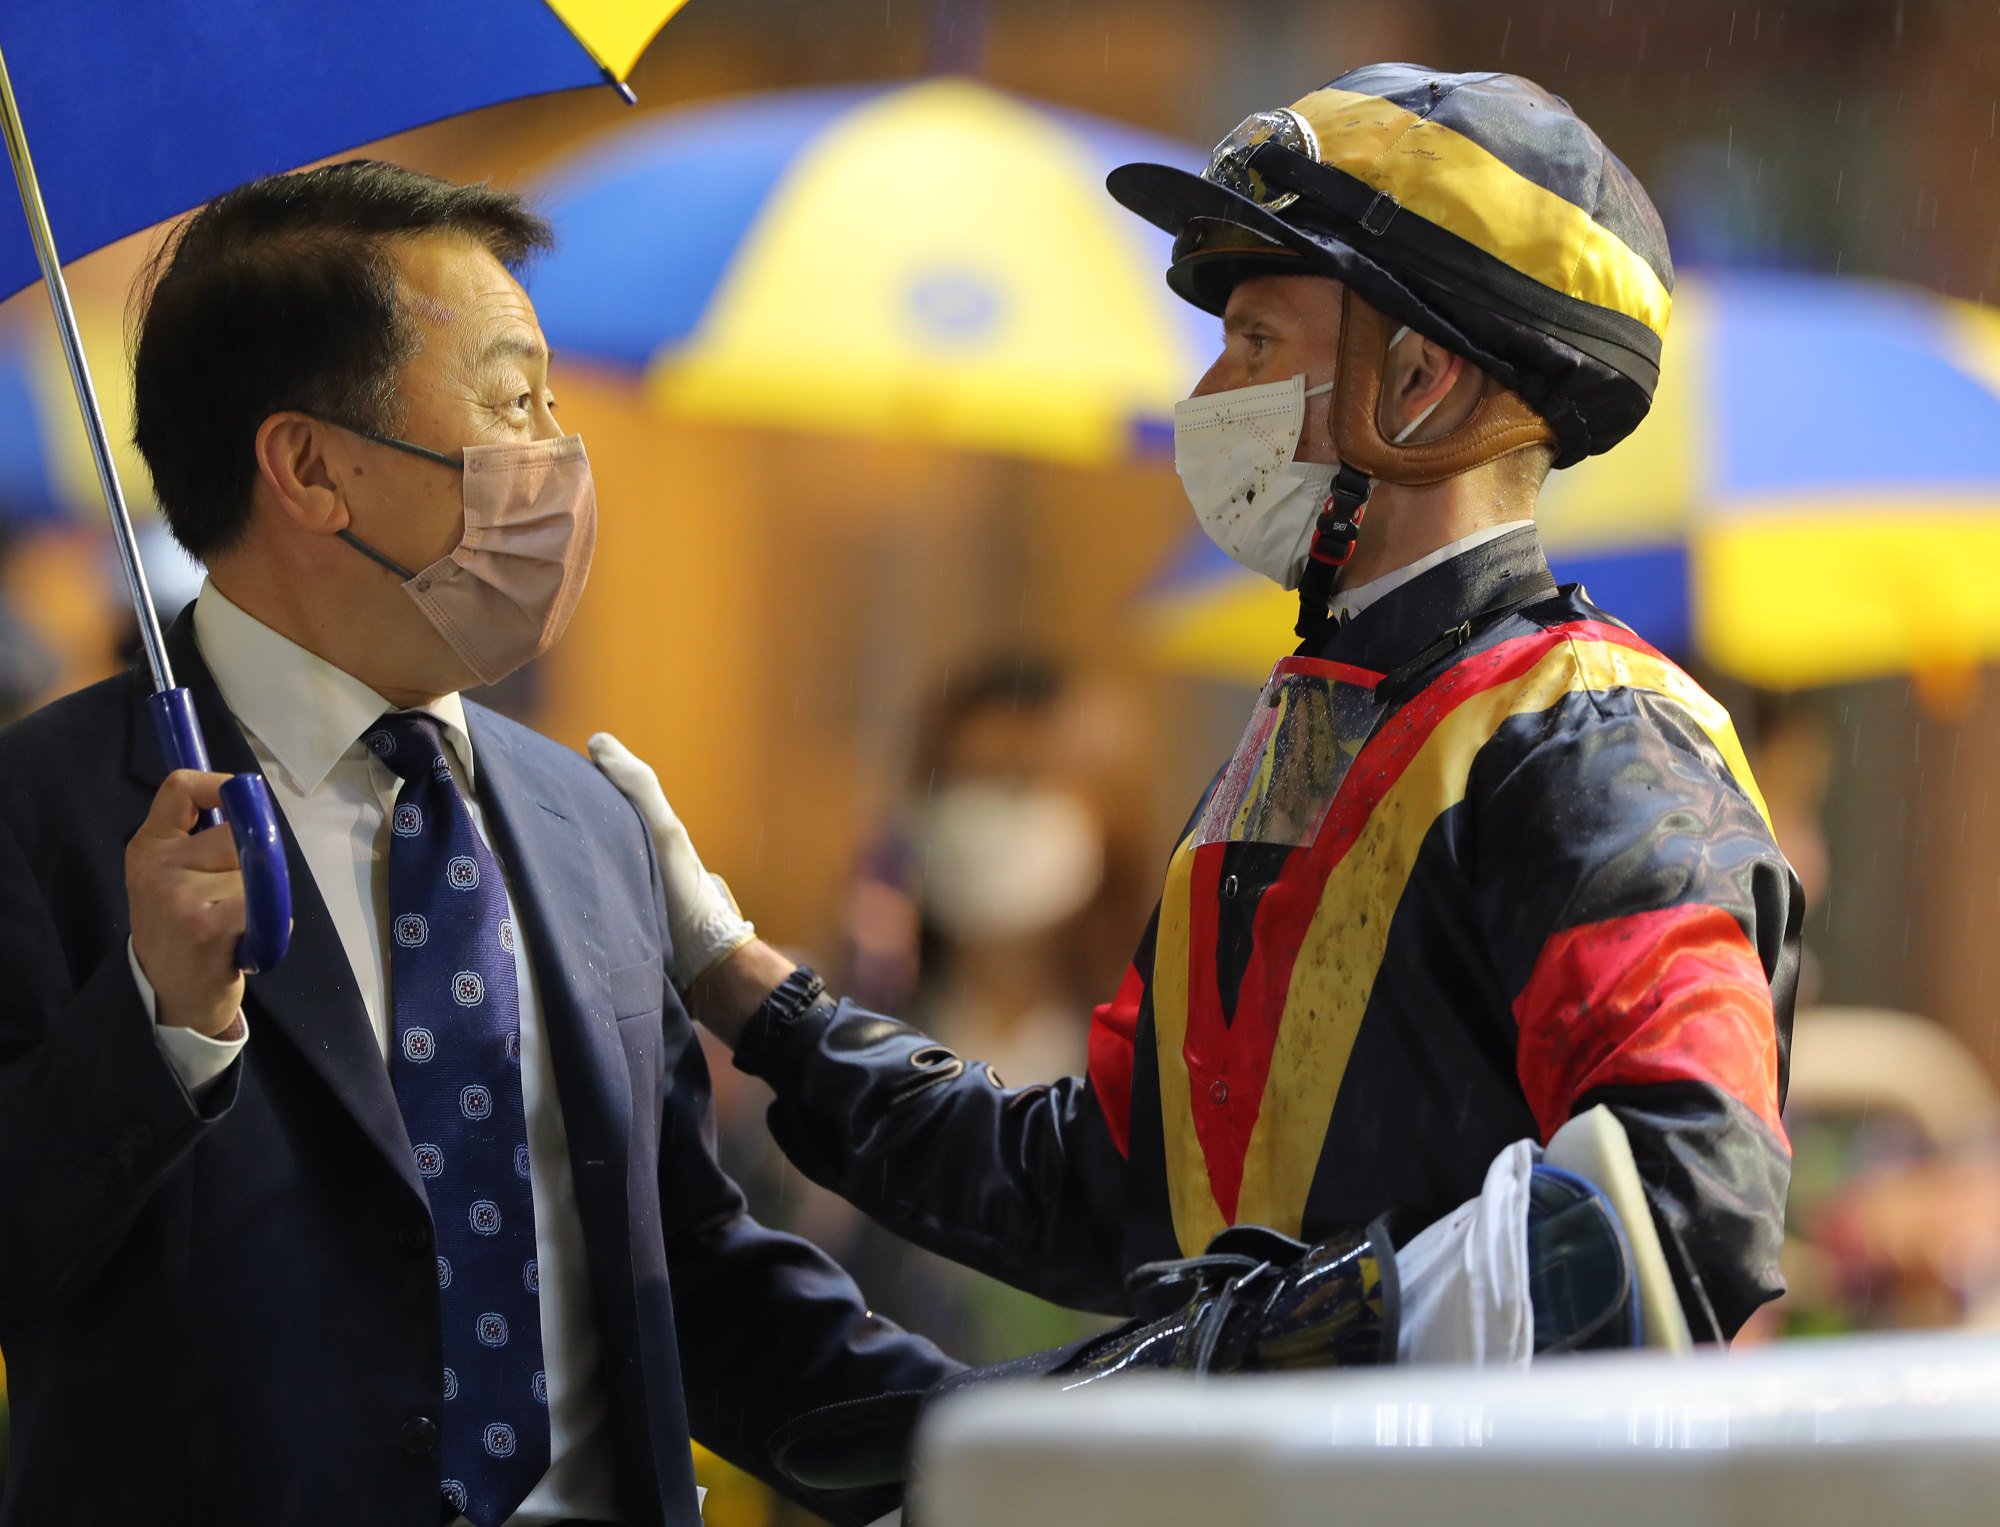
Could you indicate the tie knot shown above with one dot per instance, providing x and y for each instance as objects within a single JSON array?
[{"x": 411, "y": 744}]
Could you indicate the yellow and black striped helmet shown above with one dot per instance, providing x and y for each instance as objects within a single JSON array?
[{"x": 1477, "y": 208}]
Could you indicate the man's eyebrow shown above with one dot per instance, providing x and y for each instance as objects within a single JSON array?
[
  {"x": 517, "y": 347},
  {"x": 1239, "y": 319}
]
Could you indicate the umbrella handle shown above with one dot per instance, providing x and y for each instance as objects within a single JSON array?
[{"x": 253, "y": 822}]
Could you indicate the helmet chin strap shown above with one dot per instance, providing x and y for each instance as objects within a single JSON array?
[
  {"x": 1332, "y": 549},
  {"x": 1499, "y": 424},
  {"x": 1339, "y": 526}
]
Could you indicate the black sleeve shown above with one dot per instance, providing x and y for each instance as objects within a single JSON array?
[
  {"x": 1025, "y": 1184},
  {"x": 92, "y": 1114}
]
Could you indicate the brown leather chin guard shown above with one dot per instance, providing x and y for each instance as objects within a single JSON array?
[{"x": 1499, "y": 424}]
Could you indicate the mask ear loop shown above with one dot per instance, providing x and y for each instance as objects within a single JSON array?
[
  {"x": 383, "y": 558},
  {"x": 408, "y": 448},
  {"x": 1426, "y": 411}
]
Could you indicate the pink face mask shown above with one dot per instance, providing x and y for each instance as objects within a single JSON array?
[{"x": 506, "y": 592}]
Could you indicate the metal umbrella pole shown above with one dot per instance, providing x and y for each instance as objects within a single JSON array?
[{"x": 246, "y": 799}]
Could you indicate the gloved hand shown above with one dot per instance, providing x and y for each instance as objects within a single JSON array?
[
  {"x": 1254, "y": 1301},
  {"x": 702, "y": 917}
]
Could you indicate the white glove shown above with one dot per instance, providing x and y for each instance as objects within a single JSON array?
[{"x": 702, "y": 918}]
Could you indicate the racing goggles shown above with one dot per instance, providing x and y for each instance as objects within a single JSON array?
[
  {"x": 1230, "y": 164},
  {"x": 1231, "y": 167}
]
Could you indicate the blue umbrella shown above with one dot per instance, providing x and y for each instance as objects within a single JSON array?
[{"x": 142, "y": 110}]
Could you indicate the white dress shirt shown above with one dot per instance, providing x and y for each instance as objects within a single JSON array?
[
  {"x": 305, "y": 719},
  {"x": 1348, "y": 603}
]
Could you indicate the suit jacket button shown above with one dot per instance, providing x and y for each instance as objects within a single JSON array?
[{"x": 418, "y": 1436}]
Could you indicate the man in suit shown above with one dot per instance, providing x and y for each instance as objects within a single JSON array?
[{"x": 425, "y": 1223}]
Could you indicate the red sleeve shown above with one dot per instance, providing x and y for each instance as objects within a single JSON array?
[
  {"x": 1114, "y": 1029},
  {"x": 1665, "y": 996}
]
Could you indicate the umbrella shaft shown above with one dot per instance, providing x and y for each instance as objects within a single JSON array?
[{"x": 79, "y": 375}]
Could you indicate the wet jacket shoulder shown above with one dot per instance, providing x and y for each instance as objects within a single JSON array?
[{"x": 1645, "y": 929}]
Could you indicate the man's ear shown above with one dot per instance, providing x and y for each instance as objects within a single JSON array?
[
  {"x": 1419, "y": 374},
  {"x": 302, "y": 479}
]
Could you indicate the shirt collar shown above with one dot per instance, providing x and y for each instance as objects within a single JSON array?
[
  {"x": 1398, "y": 624},
  {"x": 1348, "y": 603},
  {"x": 304, "y": 712}
]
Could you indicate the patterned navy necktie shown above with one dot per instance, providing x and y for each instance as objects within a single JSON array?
[{"x": 456, "y": 1066}]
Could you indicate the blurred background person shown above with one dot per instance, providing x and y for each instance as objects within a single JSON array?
[
  {"x": 996, "y": 901},
  {"x": 999, "y": 902}
]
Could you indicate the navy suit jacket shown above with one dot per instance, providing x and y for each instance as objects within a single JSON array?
[{"x": 226, "y": 1312}]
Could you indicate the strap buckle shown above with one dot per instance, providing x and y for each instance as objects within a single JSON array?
[{"x": 1375, "y": 220}]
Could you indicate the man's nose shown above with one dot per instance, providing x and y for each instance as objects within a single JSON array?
[{"x": 1220, "y": 377}]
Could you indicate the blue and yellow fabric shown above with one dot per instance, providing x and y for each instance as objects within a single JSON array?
[
  {"x": 135, "y": 113},
  {"x": 934, "y": 262},
  {"x": 46, "y": 473},
  {"x": 1814, "y": 498}
]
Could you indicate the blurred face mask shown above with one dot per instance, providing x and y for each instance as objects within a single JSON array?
[
  {"x": 1235, "y": 452},
  {"x": 1003, "y": 861},
  {"x": 505, "y": 593}
]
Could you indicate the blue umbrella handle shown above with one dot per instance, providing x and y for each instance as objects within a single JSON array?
[{"x": 253, "y": 822}]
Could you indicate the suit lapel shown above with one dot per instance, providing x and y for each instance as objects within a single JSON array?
[
  {"x": 550, "y": 873},
  {"x": 311, "y": 995}
]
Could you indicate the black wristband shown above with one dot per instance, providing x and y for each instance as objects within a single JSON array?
[{"x": 790, "y": 1001}]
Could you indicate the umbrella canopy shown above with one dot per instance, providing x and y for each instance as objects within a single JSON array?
[
  {"x": 935, "y": 262},
  {"x": 1815, "y": 497},
  {"x": 137, "y": 112}
]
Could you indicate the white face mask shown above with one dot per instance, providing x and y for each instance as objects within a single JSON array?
[
  {"x": 1234, "y": 451},
  {"x": 1002, "y": 861},
  {"x": 1236, "y": 454}
]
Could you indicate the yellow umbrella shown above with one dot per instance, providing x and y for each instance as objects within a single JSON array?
[{"x": 935, "y": 262}]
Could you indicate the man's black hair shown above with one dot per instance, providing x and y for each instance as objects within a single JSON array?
[{"x": 283, "y": 295}]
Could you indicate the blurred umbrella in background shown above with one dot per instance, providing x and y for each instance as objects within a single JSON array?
[
  {"x": 136, "y": 113},
  {"x": 30, "y": 477},
  {"x": 59, "y": 576},
  {"x": 46, "y": 474},
  {"x": 1814, "y": 499},
  {"x": 934, "y": 262}
]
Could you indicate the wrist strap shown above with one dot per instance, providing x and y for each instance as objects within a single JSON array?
[{"x": 789, "y": 1001}]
